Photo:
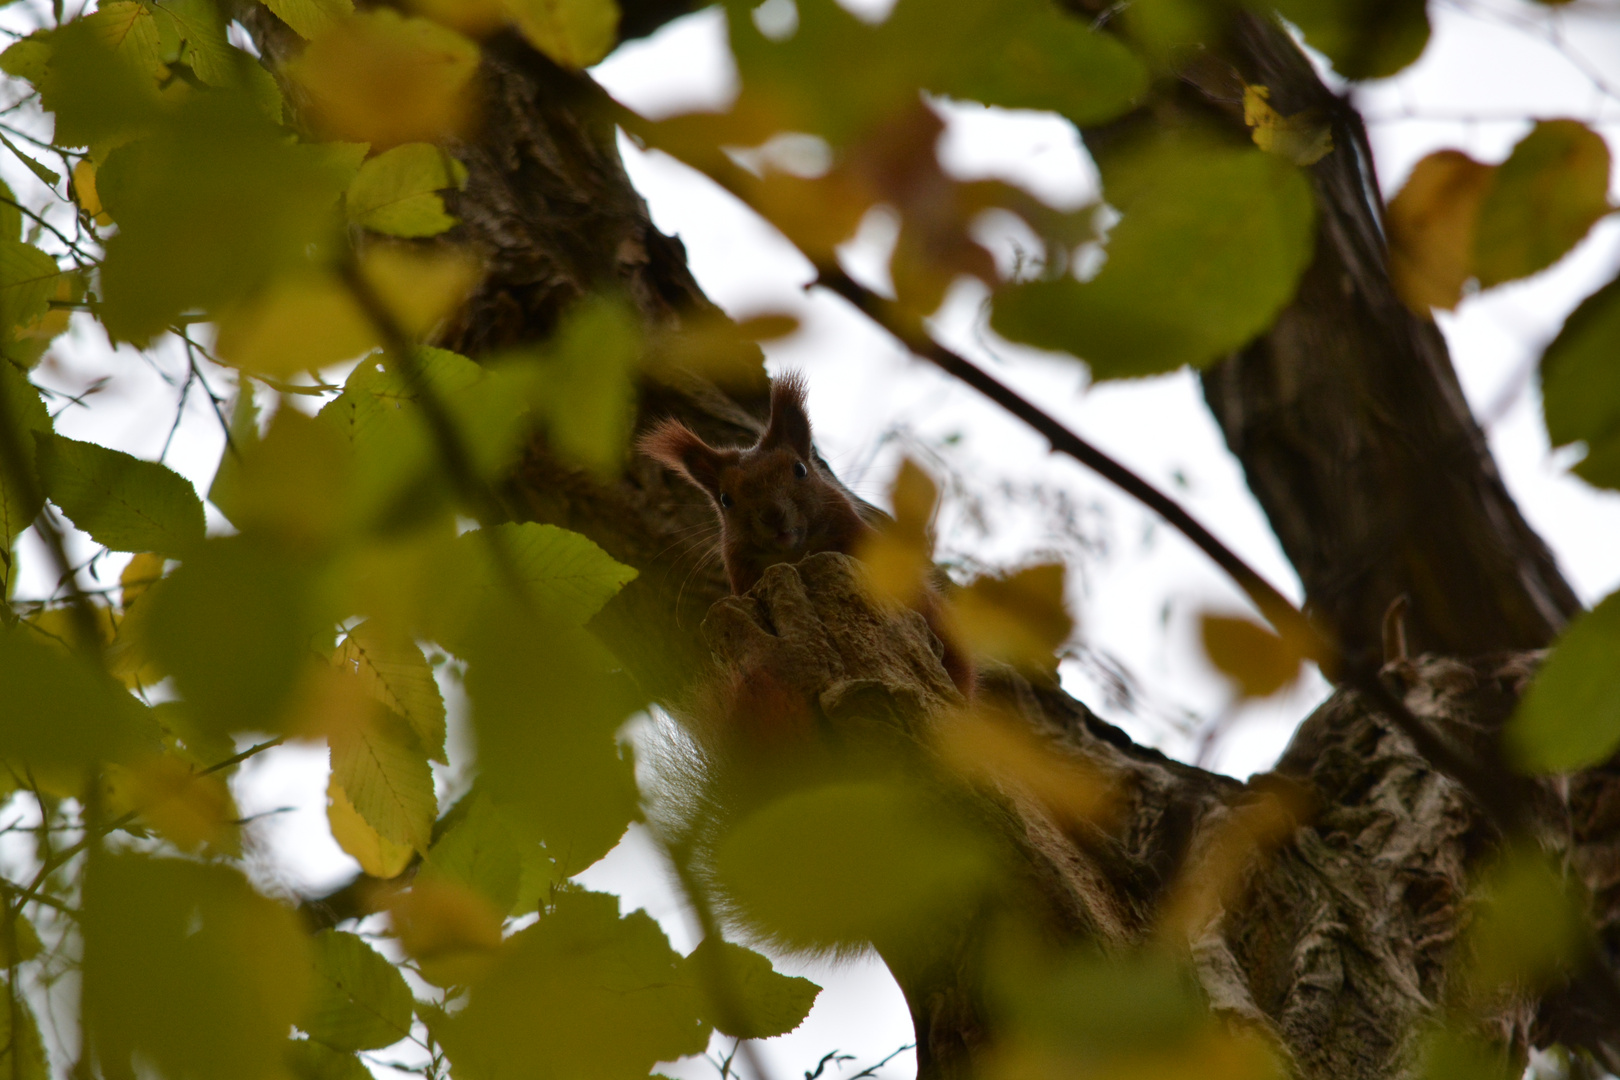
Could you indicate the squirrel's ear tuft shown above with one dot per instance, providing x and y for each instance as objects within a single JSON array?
[
  {"x": 790, "y": 421},
  {"x": 678, "y": 447}
]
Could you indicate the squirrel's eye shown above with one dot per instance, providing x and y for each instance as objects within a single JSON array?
[
  {"x": 800, "y": 470},
  {"x": 725, "y": 501}
]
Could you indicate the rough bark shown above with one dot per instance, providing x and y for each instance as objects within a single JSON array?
[
  {"x": 1354, "y": 434},
  {"x": 1337, "y": 936}
]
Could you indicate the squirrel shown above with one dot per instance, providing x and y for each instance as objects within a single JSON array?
[{"x": 776, "y": 504}]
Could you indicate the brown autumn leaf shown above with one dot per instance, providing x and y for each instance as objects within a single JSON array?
[
  {"x": 1257, "y": 661},
  {"x": 1432, "y": 223}
]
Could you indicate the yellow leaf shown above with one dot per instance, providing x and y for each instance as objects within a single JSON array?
[
  {"x": 188, "y": 808},
  {"x": 573, "y": 33},
  {"x": 310, "y": 18},
  {"x": 421, "y": 286},
  {"x": 1257, "y": 661},
  {"x": 712, "y": 345},
  {"x": 84, "y": 188},
  {"x": 1431, "y": 229},
  {"x": 391, "y": 668},
  {"x": 1220, "y": 863},
  {"x": 377, "y": 856},
  {"x": 1020, "y": 618},
  {"x": 452, "y": 932},
  {"x": 59, "y": 626},
  {"x": 985, "y": 745},
  {"x": 139, "y": 575},
  {"x": 1303, "y": 138},
  {"x": 376, "y": 758},
  {"x": 295, "y": 482},
  {"x": 385, "y": 79},
  {"x": 299, "y": 322},
  {"x": 475, "y": 18},
  {"x": 899, "y": 556}
]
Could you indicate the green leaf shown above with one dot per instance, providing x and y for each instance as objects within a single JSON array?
[
  {"x": 769, "y": 1003},
  {"x": 19, "y": 941},
  {"x": 28, "y": 278},
  {"x": 61, "y": 711},
  {"x": 1570, "y": 716},
  {"x": 22, "y": 412},
  {"x": 1363, "y": 42},
  {"x": 383, "y": 771},
  {"x": 187, "y": 970},
  {"x": 582, "y": 383},
  {"x": 479, "y": 851},
  {"x": 399, "y": 469},
  {"x": 309, "y": 1060},
  {"x": 22, "y": 1051},
  {"x": 1527, "y": 924},
  {"x": 546, "y": 710},
  {"x": 1580, "y": 386},
  {"x": 123, "y": 502},
  {"x": 1022, "y": 54},
  {"x": 310, "y": 17},
  {"x": 241, "y": 436},
  {"x": 838, "y": 77},
  {"x": 586, "y": 992},
  {"x": 10, "y": 214},
  {"x": 208, "y": 52},
  {"x": 27, "y": 59},
  {"x": 562, "y": 574},
  {"x": 573, "y": 33},
  {"x": 847, "y": 863},
  {"x": 48, "y": 177},
  {"x": 234, "y": 625},
  {"x": 247, "y": 202},
  {"x": 396, "y": 192},
  {"x": 101, "y": 81},
  {"x": 360, "y": 1000},
  {"x": 1545, "y": 198},
  {"x": 1209, "y": 251},
  {"x": 396, "y": 674}
]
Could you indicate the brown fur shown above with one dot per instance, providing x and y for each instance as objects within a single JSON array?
[{"x": 774, "y": 515}]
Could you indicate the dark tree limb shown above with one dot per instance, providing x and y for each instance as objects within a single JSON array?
[{"x": 1354, "y": 434}]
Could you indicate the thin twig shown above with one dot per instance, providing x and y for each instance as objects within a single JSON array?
[{"x": 1272, "y": 604}]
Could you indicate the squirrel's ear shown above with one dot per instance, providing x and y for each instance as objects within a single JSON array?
[
  {"x": 678, "y": 447},
  {"x": 790, "y": 421}
]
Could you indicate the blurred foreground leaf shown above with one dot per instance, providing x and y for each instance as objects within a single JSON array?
[
  {"x": 1543, "y": 200},
  {"x": 188, "y": 969},
  {"x": 1210, "y": 249},
  {"x": 1580, "y": 386},
  {"x": 847, "y": 863},
  {"x": 1570, "y": 717}
]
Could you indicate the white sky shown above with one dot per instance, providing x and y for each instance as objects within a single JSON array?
[{"x": 1486, "y": 71}]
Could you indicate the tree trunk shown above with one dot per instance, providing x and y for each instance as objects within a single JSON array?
[{"x": 1334, "y": 933}]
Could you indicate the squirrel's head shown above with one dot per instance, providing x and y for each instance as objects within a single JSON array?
[{"x": 774, "y": 503}]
